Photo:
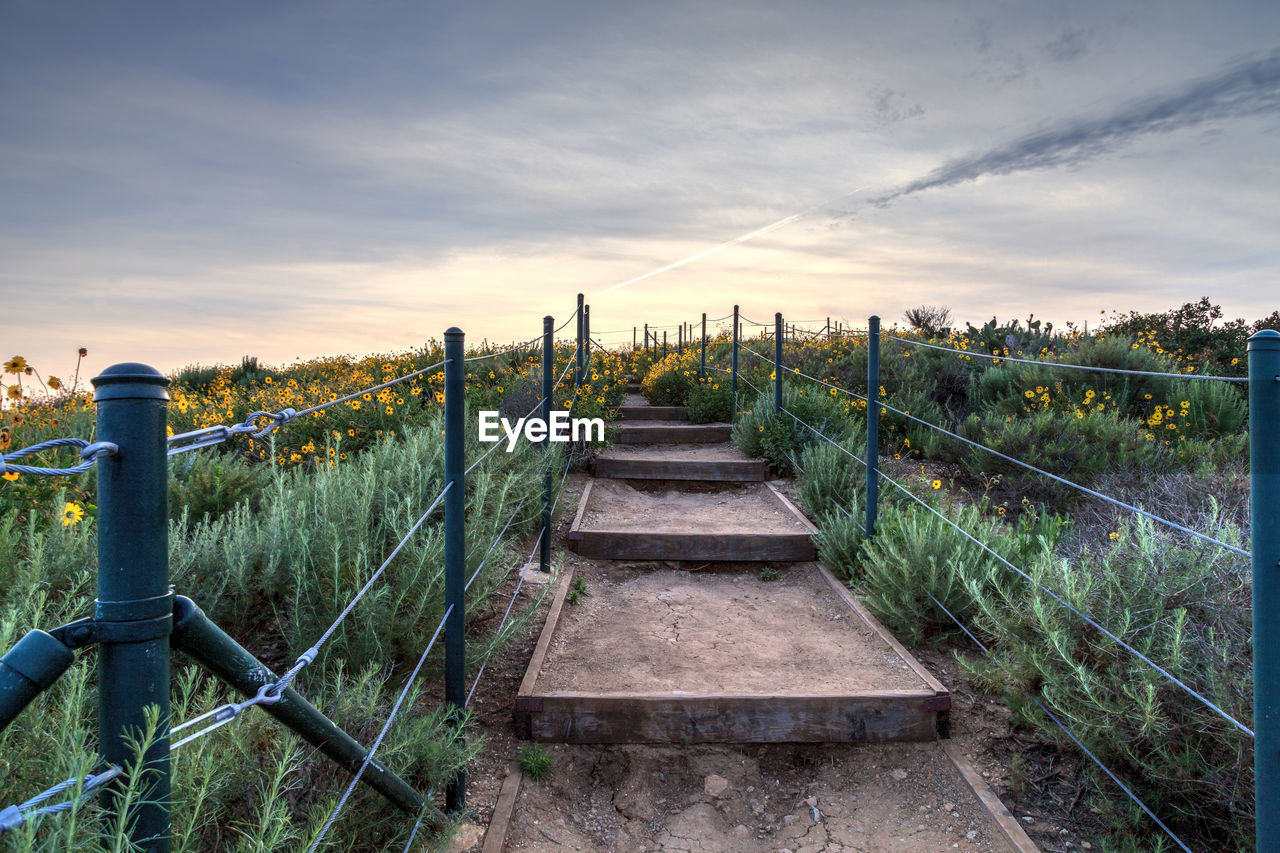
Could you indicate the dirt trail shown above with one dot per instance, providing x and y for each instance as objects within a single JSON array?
[
  {"x": 740, "y": 798},
  {"x": 805, "y": 799}
]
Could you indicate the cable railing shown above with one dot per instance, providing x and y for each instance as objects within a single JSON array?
[
  {"x": 1264, "y": 393},
  {"x": 1063, "y": 364},
  {"x": 177, "y": 622}
]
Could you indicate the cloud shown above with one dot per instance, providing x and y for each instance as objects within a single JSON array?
[
  {"x": 891, "y": 107},
  {"x": 1069, "y": 46},
  {"x": 1244, "y": 89}
]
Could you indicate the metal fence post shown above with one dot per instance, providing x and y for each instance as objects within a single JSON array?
[
  {"x": 873, "y": 422},
  {"x": 680, "y": 340},
  {"x": 702, "y": 367},
  {"x": 577, "y": 370},
  {"x": 1264, "y": 474},
  {"x": 646, "y": 338},
  {"x": 733, "y": 390},
  {"x": 548, "y": 368},
  {"x": 455, "y": 548},
  {"x": 664, "y": 343},
  {"x": 586, "y": 342},
  {"x": 777, "y": 364},
  {"x": 134, "y": 595}
]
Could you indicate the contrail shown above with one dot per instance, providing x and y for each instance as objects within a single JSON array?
[
  {"x": 781, "y": 223},
  {"x": 1244, "y": 89}
]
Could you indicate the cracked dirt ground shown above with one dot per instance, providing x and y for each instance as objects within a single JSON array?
[{"x": 750, "y": 799}]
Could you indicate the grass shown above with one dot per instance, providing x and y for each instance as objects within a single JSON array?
[
  {"x": 535, "y": 761},
  {"x": 1172, "y": 446},
  {"x": 272, "y": 548}
]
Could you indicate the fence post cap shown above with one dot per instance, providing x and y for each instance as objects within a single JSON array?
[
  {"x": 1264, "y": 339},
  {"x": 453, "y": 333},
  {"x": 130, "y": 380}
]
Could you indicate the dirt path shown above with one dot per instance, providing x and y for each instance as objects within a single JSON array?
[{"x": 697, "y": 797}]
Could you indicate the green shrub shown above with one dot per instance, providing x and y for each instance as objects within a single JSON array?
[
  {"x": 1214, "y": 409},
  {"x": 535, "y": 760},
  {"x": 778, "y": 438},
  {"x": 710, "y": 401},
  {"x": 207, "y": 484},
  {"x": 1183, "y": 606},
  {"x": 914, "y": 548},
  {"x": 829, "y": 476},
  {"x": 670, "y": 381},
  {"x": 1077, "y": 448}
]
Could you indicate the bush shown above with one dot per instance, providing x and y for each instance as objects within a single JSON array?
[
  {"x": 670, "y": 381},
  {"x": 206, "y": 485},
  {"x": 914, "y": 548},
  {"x": 778, "y": 438},
  {"x": 1076, "y": 448},
  {"x": 710, "y": 402},
  {"x": 1183, "y": 606}
]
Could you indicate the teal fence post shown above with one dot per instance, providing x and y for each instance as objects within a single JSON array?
[
  {"x": 455, "y": 548},
  {"x": 548, "y": 368},
  {"x": 777, "y": 363},
  {"x": 680, "y": 340},
  {"x": 702, "y": 366},
  {"x": 646, "y": 338},
  {"x": 733, "y": 390},
  {"x": 577, "y": 370},
  {"x": 135, "y": 600},
  {"x": 586, "y": 342},
  {"x": 873, "y": 422},
  {"x": 1264, "y": 474}
]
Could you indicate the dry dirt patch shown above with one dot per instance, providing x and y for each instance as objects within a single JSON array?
[{"x": 664, "y": 631}]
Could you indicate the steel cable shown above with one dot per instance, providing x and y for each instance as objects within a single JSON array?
[
  {"x": 1066, "y": 482},
  {"x": 91, "y": 452},
  {"x": 1063, "y": 364},
  {"x": 1172, "y": 678},
  {"x": 377, "y": 742},
  {"x": 310, "y": 654},
  {"x": 1066, "y": 730}
]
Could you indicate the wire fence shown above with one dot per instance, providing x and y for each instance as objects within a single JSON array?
[
  {"x": 77, "y": 790},
  {"x": 777, "y": 371}
]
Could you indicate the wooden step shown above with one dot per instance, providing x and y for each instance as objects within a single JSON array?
[
  {"x": 633, "y": 387},
  {"x": 751, "y": 523},
  {"x": 666, "y": 432},
  {"x": 653, "y": 413},
  {"x": 686, "y": 660},
  {"x": 709, "y": 470}
]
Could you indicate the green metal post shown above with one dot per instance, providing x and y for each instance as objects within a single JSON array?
[
  {"x": 777, "y": 364},
  {"x": 646, "y": 338},
  {"x": 1264, "y": 474},
  {"x": 195, "y": 634},
  {"x": 133, "y": 586},
  {"x": 873, "y": 422},
  {"x": 733, "y": 390},
  {"x": 455, "y": 548},
  {"x": 577, "y": 370},
  {"x": 586, "y": 342},
  {"x": 680, "y": 340},
  {"x": 30, "y": 667},
  {"x": 548, "y": 368},
  {"x": 702, "y": 367},
  {"x": 664, "y": 343}
]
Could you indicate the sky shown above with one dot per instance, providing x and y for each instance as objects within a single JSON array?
[{"x": 192, "y": 182}]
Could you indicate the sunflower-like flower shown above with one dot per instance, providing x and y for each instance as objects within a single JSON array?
[
  {"x": 72, "y": 513},
  {"x": 15, "y": 365}
]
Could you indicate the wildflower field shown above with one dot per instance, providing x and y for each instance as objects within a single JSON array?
[
  {"x": 272, "y": 537},
  {"x": 1172, "y": 446}
]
